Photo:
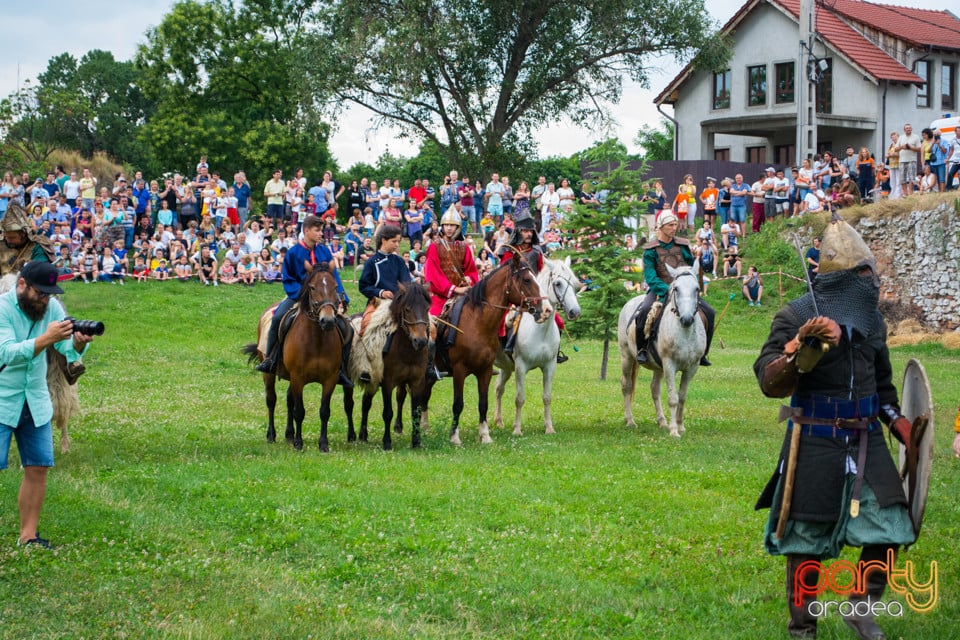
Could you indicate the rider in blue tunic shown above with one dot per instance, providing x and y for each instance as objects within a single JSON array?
[{"x": 310, "y": 252}]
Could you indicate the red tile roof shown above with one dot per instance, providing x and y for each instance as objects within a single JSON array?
[{"x": 918, "y": 27}]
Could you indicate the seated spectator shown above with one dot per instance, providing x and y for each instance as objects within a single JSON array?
[
  {"x": 264, "y": 261},
  {"x": 228, "y": 273},
  {"x": 110, "y": 270},
  {"x": 183, "y": 269},
  {"x": 928, "y": 181},
  {"x": 753, "y": 287},
  {"x": 849, "y": 192},
  {"x": 730, "y": 233},
  {"x": 206, "y": 264},
  {"x": 140, "y": 269},
  {"x": 161, "y": 271},
  {"x": 732, "y": 265},
  {"x": 233, "y": 255},
  {"x": 247, "y": 270}
]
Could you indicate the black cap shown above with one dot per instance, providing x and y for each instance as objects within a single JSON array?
[{"x": 42, "y": 276}]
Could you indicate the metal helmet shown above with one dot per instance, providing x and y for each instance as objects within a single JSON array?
[
  {"x": 452, "y": 216},
  {"x": 842, "y": 248}
]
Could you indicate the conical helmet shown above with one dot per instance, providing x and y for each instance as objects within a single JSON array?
[
  {"x": 451, "y": 216},
  {"x": 842, "y": 248},
  {"x": 16, "y": 219}
]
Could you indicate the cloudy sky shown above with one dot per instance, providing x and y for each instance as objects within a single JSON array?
[{"x": 35, "y": 32}]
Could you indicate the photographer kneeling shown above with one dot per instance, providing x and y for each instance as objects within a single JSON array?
[{"x": 29, "y": 323}]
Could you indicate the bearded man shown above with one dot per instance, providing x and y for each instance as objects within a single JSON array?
[
  {"x": 30, "y": 323},
  {"x": 525, "y": 241},
  {"x": 827, "y": 350}
]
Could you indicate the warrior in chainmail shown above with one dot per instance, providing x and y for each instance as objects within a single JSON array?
[
  {"x": 20, "y": 244},
  {"x": 835, "y": 367}
]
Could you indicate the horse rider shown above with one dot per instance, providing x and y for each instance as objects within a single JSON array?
[
  {"x": 525, "y": 240},
  {"x": 301, "y": 259},
  {"x": 828, "y": 351},
  {"x": 450, "y": 270},
  {"x": 20, "y": 245},
  {"x": 382, "y": 275},
  {"x": 666, "y": 249}
]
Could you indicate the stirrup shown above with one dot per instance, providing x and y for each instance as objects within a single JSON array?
[
  {"x": 266, "y": 366},
  {"x": 365, "y": 377},
  {"x": 561, "y": 357},
  {"x": 345, "y": 380},
  {"x": 704, "y": 362},
  {"x": 433, "y": 373}
]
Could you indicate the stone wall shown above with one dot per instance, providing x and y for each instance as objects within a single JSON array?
[{"x": 918, "y": 258}]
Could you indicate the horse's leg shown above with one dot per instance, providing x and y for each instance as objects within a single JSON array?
[
  {"x": 401, "y": 398},
  {"x": 64, "y": 436},
  {"x": 348, "y": 409},
  {"x": 628, "y": 384},
  {"x": 483, "y": 391},
  {"x": 270, "y": 386},
  {"x": 501, "y": 386},
  {"x": 673, "y": 399},
  {"x": 291, "y": 412},
  {"x": 549, "y": 370},
  {"x": 521, "y": 399},
  {"x": 655, "y": 394},
  {"x": 296, "y": 393},
  {"x": 386, "y": 393},
  {"x": 458, "y": 380},
  {"x": 365, "y": 405},
  {"x": 685, "y": 378},
  {"x": 416, "y": 402},
  {"x": 424, "y": 418},
  {"x": 328, "y": 389}
]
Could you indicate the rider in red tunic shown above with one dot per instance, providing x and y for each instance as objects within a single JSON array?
[
  {"x": 526, "y": 242},
  {"x": 450, "y": 269}
]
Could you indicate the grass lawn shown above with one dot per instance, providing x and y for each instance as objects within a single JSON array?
[{"x": 174, "y": 518}]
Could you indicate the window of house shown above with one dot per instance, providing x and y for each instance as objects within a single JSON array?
[
  {"x": 948, "y": 86},
  {"x": 784, "y": 154},
  {"x": 757, "y": 86},
  {"x": 922, "y": 69},
  {"x": 785, "y": 82},
  {"x": 721, "y": 89},
  {"x": 721, "y": 155},
  {"x": 825, "y": 88},
  {"x": 757, "y": 155}
]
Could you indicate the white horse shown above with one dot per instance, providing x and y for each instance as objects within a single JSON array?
[
  {"x": 681, "y": 341},
  {"x": 536, "y": 345}
]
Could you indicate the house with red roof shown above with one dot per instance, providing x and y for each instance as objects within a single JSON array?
[{"x": 875, "y": 66}]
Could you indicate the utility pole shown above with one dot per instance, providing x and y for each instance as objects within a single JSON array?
[{"x": 805, "y": 77}]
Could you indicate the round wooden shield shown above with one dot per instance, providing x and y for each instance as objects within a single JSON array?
[{"x": 916, "y": 402}]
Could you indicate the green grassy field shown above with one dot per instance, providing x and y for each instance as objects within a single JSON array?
[{"x": 174, "y": 518}]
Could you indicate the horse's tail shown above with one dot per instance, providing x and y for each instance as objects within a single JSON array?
[{"x": 252, "y": 352}]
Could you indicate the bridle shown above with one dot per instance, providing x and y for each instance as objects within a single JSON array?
[
  {"x": 316, "y": 306},
  {"x": 557, "y": 281},
  {"x": 673, "y": 290},
  {"x": 527, "y": 303}
]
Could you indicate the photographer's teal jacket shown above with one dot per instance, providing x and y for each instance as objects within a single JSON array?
[{"x": 24, "y": 378}]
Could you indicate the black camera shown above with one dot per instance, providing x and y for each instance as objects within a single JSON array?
[{"x": 86, "y": 327}]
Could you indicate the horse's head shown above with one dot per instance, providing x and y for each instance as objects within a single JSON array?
[
  {"x": 561, "y": 284},
  {"x": 410, "y": 310},
  {"x": 319, "y": 298},
  {"x": 684, "y": 293},
  {"x": 523, "y": 289}
]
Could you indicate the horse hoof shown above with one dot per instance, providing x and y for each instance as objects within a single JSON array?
[
  {"x": 455, "y": 440},
  {"x": 517, "y": 431},
  {"x": 415, "y": 443},
  {"x": 549, "y": 430},
  {"x": 674, "y": 434},
  {"x": 398, "y": 428},
  {"x": 631, "y": 424},
  {"x": 298, "y": 445},
  {"x": 324, "y": 447},
  {"x": 486, "y": 439},
  {"x": 387, "y": 445}
]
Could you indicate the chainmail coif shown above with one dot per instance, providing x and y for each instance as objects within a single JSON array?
[{"x": 846, "y": 297}]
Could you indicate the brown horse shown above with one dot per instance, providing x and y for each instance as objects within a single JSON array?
[
  {"x": 402, "y": 327},
  {"x": 477, "y": 342},
  {"x": 311, "y": 353}
]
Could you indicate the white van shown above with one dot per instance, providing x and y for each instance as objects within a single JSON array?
[{"x": 947, "y": 126}]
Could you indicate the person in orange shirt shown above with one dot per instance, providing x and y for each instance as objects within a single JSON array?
[
  {"x": 681, "y": 205},
  {"x": 709, "y": 198},
  {"x": 956, "y": 440}
]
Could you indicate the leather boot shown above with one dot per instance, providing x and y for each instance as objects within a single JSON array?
[
  {"x": 433, "y": 373},
  {"x": 511, "y": 340},
  {"x": 561, "y": 356},
  {"x": 802, "y": 623},
  {"x": 862, "y": 622}
]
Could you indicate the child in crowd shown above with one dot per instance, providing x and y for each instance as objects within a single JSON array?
[
  {"x": 369, "y": 222},
  {"x": 183, "y": 269},
  {"x": 228, "y": 274},
  {"x": 140, "y": 269},
  {"x": 270, "y": 271},
  {"x": 89, "y": 270},
  {"x": 247, "y": 270},
  {"x": 62, "y": 261},
  {"x": 551, "y": 239},
  {"x": 161, "y": 271}
]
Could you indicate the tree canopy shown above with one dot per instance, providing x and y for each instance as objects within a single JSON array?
[{"x": 479, "y": 77}]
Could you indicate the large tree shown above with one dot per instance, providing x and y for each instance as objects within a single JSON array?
[
  {"x": 479, "y": 77},
  {"x": 228, "y": 79}
]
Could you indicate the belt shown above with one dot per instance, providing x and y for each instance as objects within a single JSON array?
[{"x": 837, "y": 428}]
